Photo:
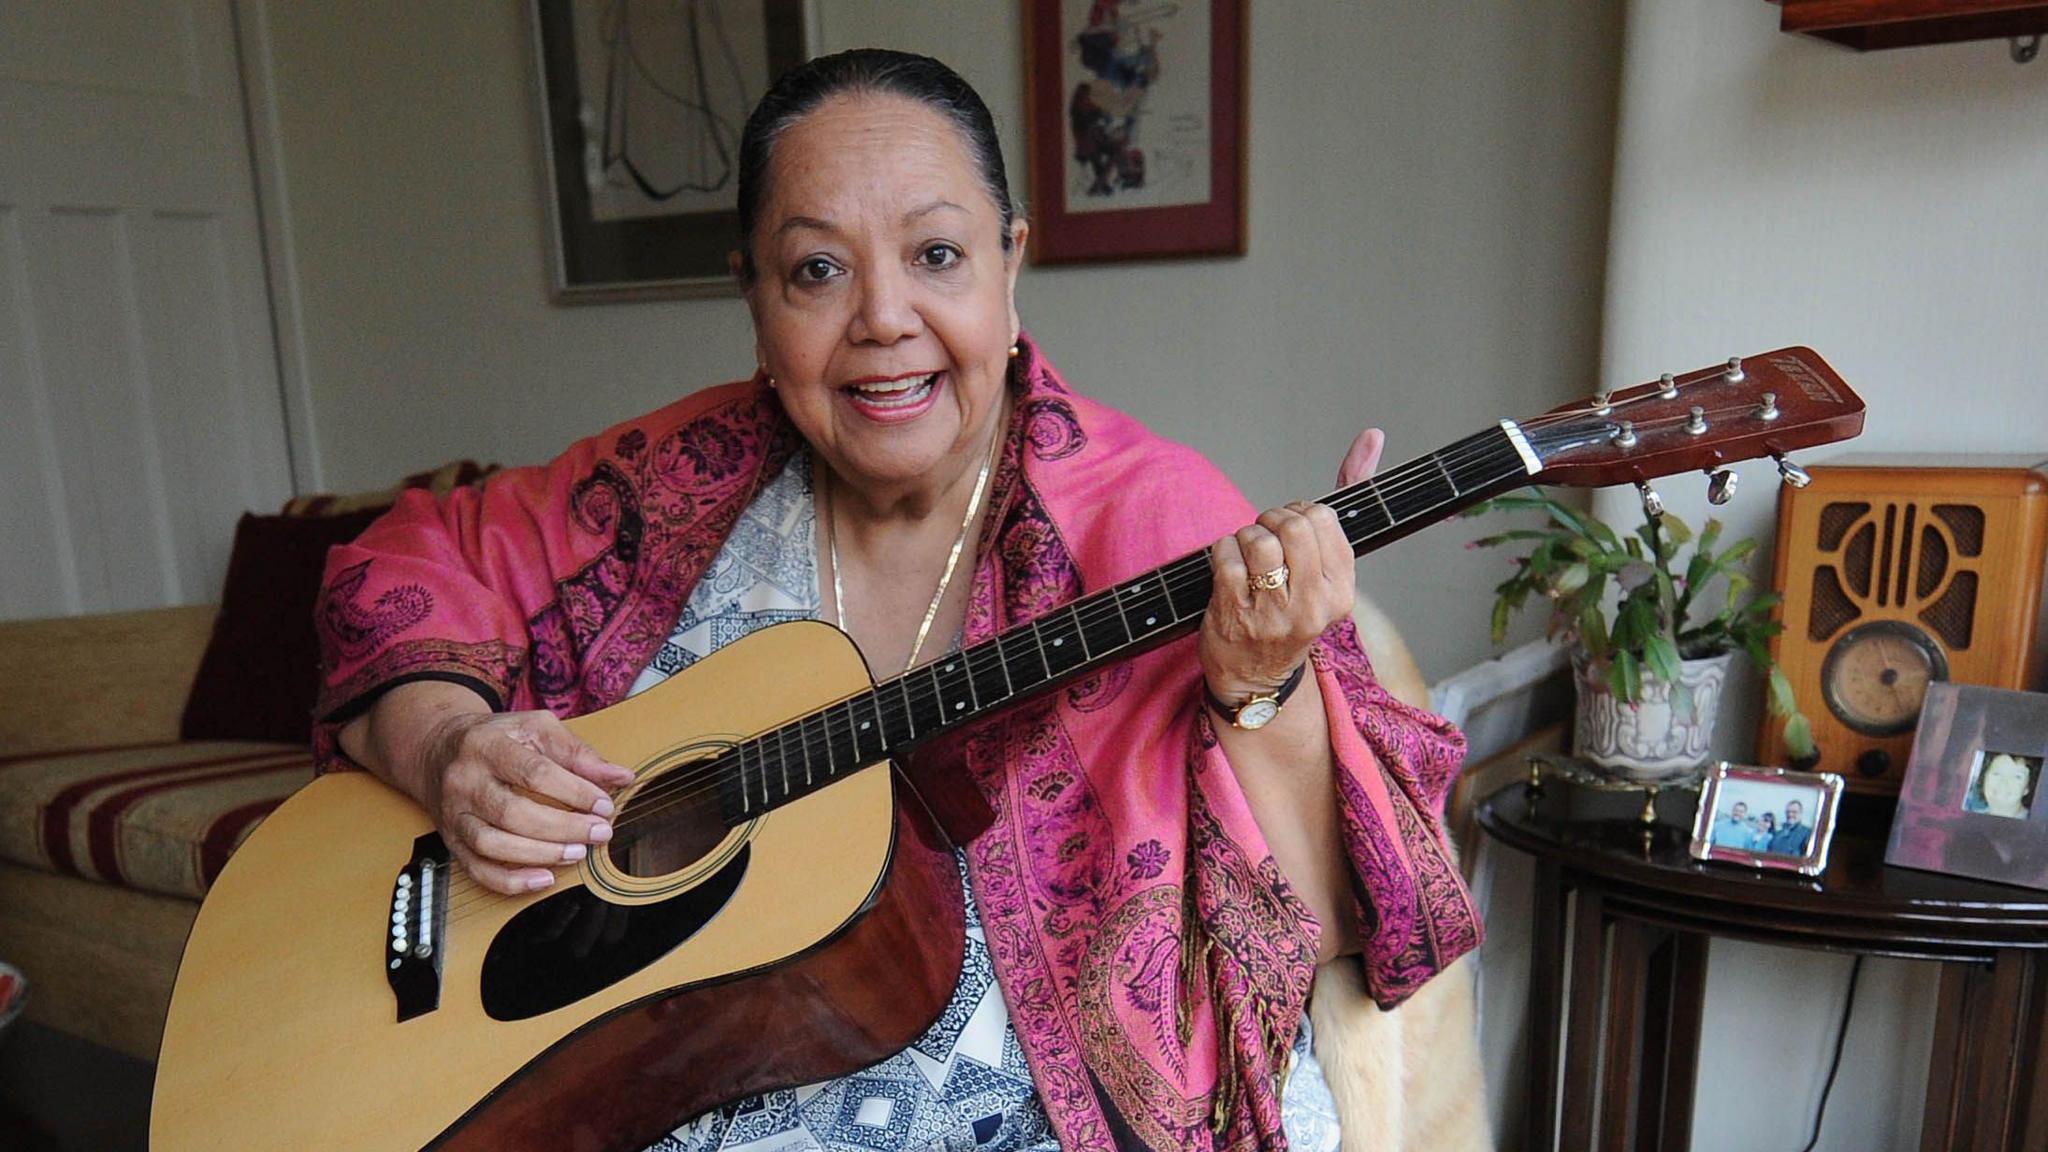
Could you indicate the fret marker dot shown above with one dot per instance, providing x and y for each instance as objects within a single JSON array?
[
  {"x": 1351, "y": 515},
  {"x": 1150, "y": 620},
  {"x": 949, "y": 667},
  {"x": 863, "y": 725},
  {"x": 1058, "y": 640},
  {"x": 959, "y": 704}
]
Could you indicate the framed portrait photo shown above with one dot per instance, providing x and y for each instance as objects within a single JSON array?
[
  {"x": 642, "y": 104},
  {"x": 1135, "y": 122},
  {"x": 1971, "y": 803},
  {"x": 1767, "y": 818}
]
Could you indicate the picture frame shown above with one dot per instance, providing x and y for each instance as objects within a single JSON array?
[
  {"x": 1135, "y": 125},
  {"x": 1972, "y": 802},
  {"x": 1767, "y": 817},
  {"x": 640, "y": 182}
]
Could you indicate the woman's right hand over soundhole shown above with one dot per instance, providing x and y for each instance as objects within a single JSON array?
[{"x": 515, "y": 794}]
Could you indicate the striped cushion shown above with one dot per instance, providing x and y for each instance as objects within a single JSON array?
[{"x": 160, "y": 817}]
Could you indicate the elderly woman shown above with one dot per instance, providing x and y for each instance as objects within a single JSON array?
[{"x": 1170, "y": 857}]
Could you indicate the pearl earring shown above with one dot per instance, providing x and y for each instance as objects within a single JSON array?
[{"x": 1015, "y": 351}]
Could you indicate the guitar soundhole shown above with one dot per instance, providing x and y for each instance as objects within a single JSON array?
[{"x": 670, "y": 823}]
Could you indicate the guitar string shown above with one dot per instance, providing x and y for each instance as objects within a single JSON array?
[
  {"x": 678, "y": 789},
  {"x": 1089, "y": 616},
  {"x": 681, "y": 788},
  {"x": 1100, "y": 609},
  {"x": 1105, "y": 610}
]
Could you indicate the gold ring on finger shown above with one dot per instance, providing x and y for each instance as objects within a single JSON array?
[{"x": 1270, "y": 581}]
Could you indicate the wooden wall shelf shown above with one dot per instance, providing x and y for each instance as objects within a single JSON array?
[{"x": 1871, "y": 24}]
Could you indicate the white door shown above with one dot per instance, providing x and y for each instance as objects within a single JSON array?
[{"x": 139, "y": 404}]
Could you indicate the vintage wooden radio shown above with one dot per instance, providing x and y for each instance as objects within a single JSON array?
[{"x": 1898, "y": 571}]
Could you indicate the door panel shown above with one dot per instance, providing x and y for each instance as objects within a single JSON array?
[{"x": 138, "y": 375}]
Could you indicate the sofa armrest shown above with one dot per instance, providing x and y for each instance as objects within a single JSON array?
[{"x": 90, "y": 681}]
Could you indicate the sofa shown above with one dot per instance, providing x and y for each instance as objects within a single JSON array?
[{"x": 111, "y": 827}]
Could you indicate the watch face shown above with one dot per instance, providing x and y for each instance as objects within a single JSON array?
[
  {"x": 1876, "y": 675},
  {"x": 1258, "y": 713}
]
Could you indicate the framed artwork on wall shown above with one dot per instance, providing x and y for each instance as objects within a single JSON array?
[
  {"x": 1971, "y": 803},
  {"x": 1135, "y": 127},
  {"x": 641, "y": 108}
]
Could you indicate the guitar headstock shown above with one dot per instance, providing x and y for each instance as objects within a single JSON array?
[{"x": 1766, "y": 405}]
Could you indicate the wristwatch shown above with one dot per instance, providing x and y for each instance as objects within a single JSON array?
[{"x": 1259, "y": 708}]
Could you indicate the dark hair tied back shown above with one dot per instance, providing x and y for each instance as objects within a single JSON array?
[{"x": 799, "y": 91}]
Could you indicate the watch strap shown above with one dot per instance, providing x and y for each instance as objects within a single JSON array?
[{"x": 1230, "y": 712}]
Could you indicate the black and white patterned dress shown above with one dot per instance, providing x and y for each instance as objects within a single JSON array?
[{"x": 963, "y": 1086}]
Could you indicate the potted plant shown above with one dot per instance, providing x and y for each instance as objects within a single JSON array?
[{"x": 1651, "y": 662}]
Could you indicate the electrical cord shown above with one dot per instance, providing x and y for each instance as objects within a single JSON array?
[{"x": 1841, "y": 1033}]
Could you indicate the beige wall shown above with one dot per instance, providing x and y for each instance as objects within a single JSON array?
[
  {"x": 1891, "y": 210},
  {"x": 1428, "y": 192}
]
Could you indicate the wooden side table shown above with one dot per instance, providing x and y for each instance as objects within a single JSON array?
[{"x": 1627, "y": 1078}]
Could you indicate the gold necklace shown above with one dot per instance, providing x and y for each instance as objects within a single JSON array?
[{"x": 931, "y": 611}]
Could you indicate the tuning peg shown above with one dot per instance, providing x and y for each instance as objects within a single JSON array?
[
  {"x": 1792, "y": 473},
  {"x": 1698, "y": 424},
  {"x": 1734, "y": 373},
  {"x": 1720, "y": 486},
  {"x": 1603, "y": 403},
  {"x": 1768, "y": 410},
  {"x": 1625, "y": 436},
  {"x": 1653, "y": 504},
  {"x": 1667, "y": 386}
]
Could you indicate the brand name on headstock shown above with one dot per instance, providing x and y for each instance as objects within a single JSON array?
[{"x": 1807, "y": 379}]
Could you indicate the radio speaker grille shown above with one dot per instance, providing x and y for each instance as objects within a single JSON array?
[
  {"x": 1954, "y": 616},
  {"x": 1967, "y": 525},
  {"x": 1833, "y": 610}
]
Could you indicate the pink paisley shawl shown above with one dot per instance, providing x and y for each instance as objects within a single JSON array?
[{"x": 1154, "y": 960}]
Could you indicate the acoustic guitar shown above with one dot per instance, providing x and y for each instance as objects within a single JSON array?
[{"x": 774, "y": 906}]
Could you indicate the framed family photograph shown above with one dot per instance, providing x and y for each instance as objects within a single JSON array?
[
  {"x": 1971, "y": 802},
  {"x": 1767, "y": 818},
  {"x": 642, "y": 104},
  {"x": 1135, "y": 125}
]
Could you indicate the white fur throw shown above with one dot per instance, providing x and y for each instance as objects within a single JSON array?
[{"x": 1407, "y": 1080}]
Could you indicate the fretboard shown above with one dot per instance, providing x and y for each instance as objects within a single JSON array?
[{"x": 1100, "y": 628}]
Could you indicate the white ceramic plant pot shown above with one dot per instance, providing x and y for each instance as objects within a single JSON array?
[{"x": 1666, "y": 735}]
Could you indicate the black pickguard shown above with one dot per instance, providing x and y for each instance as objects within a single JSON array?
[{"x": 567, "y": 946}]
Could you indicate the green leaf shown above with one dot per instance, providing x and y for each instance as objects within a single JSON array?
[
  {"x": 1548, "y": 506},
  {"x": 1710, "y": 534},
  {"x": 1799, "y": 737},
  {"x": 1624, "y": 676},
  {"x": 1599, "y": 530},
  {"x": 1570, "y": 579},
  {"x": 1667, "y": 595},
  {"x": 1500, "y": 538},
  {"x": 1677, "y": 530},
  {"x": 1782, "y": 702},
  {"x": 1501, "y": 608},
  {"x": 1662, "y": 656},
  {"x": 1593, "y": 631}
]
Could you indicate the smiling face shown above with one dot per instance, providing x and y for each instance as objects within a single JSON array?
[
  {"x": 2004, "y": 782},
  {"x": 1792, "y": 812},
  {"x": 883, "y": 298}
]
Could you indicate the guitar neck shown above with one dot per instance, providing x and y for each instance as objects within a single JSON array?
[{"x": 1090, "y": 633}]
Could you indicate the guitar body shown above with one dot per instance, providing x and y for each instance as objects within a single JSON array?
[{"x": 807, "y": 942}]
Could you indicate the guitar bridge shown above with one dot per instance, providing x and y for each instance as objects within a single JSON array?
[{"x": 418, "y": 922}]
